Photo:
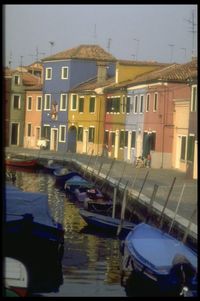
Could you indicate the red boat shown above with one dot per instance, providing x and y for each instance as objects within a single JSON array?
[{"x": 18, "y": 162}]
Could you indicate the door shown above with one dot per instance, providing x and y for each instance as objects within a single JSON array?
[
  {"x": 85, "y": 140},
  {"x": 14, "y": 134},
  {"x": 54, "y": 139},
  {"x": 72, "y": 139}
]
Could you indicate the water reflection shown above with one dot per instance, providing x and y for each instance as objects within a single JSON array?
[{"x": 90, "y": 262}]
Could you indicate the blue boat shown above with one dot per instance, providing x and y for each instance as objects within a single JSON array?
[
  {"x": 51, "y": 166},
  {"x": 31, "y": 236},
  {"x": 163, "y": 265},
  {"x": 62, "y": 174},
  {"x": 76, "y": 181},
  {"x": 106, "y": 223}
]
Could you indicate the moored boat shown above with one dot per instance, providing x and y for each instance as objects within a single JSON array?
[
  {"x": 157, "y": 264},
  {"x": 106, "y": 223},
  {"x": 15, "y": 278},
  {"x": 20, "y": 162},
  {"x": 63, "y": 174},
  {"x": 33, "y": 237},
  {"x": 51, "y": 166}
]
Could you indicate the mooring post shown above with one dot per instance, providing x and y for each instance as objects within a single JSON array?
[
  {"x": 189, "y": 224},
  {"x": 142, "y": 185},
  {"x": 114, "y": 201},
  {"x": 179, "y": 201},
  {"x": 105, "y": 179},
  {"x": 122, "y": 213},
  {"x": 88, "y": 162},
  {"x": 100, "y": 167},
  {"x": 166, "y": 202},
  {"x": 95, "y": 163},
  {"x": 153, "y": 196}
]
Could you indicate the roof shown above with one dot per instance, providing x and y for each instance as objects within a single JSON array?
[
  {"x": 30, "y": 79},
  {"x": 92, "y": 84},
  {"x": 141, "y": 63},
  {"x": 171, "y": 73},
  {"x": 87, "y": 52}
]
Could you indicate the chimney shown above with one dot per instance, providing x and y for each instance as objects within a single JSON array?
[{"x": 101, "y": 71}]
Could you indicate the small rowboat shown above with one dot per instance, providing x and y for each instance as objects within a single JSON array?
[{"x": 18, "y": 162}]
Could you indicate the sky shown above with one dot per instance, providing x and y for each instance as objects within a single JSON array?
[{"x": 144, "y": 32}]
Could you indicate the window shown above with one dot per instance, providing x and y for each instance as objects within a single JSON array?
[
  {"x": 73, "y": 102},
  {"x": 194, "y": 99},
  {"x": 80, "y": 133},
  {"x": 91, "y": 134},
  {"x": 92, "y": 104},
  {"x": 112, "y": 138},
  {"x": 113, "y": 105},
  {"x": 16, "y": 102},
  {"x": 63, "y": 102},
  {"x": 135, "y": 104},
  {"x": 121, "y": 142},
  {"x": 126, "y": 138},
  {"x": 106, "y": 135},
  {"x": 128, "y": 104},
  {"x": 39, "y": 103},
  {"x": 183, "y": 147},
  {"x": 46, "y": 132},
  {"x": 133, "y": 138},
  {"x": 47, "y": 102},
  {"x": 64, "y": 73},
  {"x": 81, "y": 105},
  {"x": 62, "y": 133},
  {"x": 155, "y": 103},
  {"x": 29, "y": 103},
  {"x": 29, "y": 130},
  {"x": 141, "y": 103},
  {"x": 147, "y": 103},
  {"x": 123, "y": 103},
  {"x": 48, "y": 74},
  {"x": 16, "y": 80},
  {"x": 190, "y": 150}
]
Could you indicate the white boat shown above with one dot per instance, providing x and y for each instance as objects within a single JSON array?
[{"x": 15, "y": 278}]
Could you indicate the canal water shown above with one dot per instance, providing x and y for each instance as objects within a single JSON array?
[{"x": 91, "y": 262}]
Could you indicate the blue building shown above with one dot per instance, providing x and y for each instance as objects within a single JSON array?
[{"x": 62, "y": 72}]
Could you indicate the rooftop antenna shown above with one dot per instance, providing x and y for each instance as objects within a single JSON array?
[
  {"x": 191, "y": 21},
  {"x": 10, "y": 60},
  {"x": 171, "y": 51},
  {"x": 21, "y": 62},
  {"x": 109, "y": 42},
  {"x": 184, "y": 52},
  {"x": 51, "y": 45},
  {"x": 95, "y": 33},
  {"x": 133, "y": 55},
  {"x": 137, "y": 48}
]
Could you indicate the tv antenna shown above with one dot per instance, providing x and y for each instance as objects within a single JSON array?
[
  {"x": 183, "y": 48},
  {"x": 52, "y": 43},
  {"x": 137, "y": 48},
  {"x": 191, "y": 21},
  {"x": 109, "y": 42},
  {"x": 95, "y": 33},
  {"x": 171, "y": 52}
]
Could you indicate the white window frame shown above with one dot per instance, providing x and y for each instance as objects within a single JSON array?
[
  {"x": 29, "y": 98},
  {"x": 19, "y": 102},
  {"x": 155, "y": 101},
  {"x": 192, "y": 99},
  {"x": 45, "y": 100},
  {"x": 141, "y": 110},
  {"x": 37, "y": 101},
  {"x": 61, "y": 102},
  {"x": 60, "y": 131},
  {"x": 46, "y": 73},
  {"x": 74, "y": 109},
  {"x": 135, "y": 108},
  {"x": 147, "y": 102},
  {"x": 62, "y": 72},
  {"x": 94, "y": 104},
  {"x": 18, "y": 80},
  {"x": 91, "y": 127}
]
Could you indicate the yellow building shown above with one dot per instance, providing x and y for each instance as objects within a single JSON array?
[{"x": 86, "y": 116}]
